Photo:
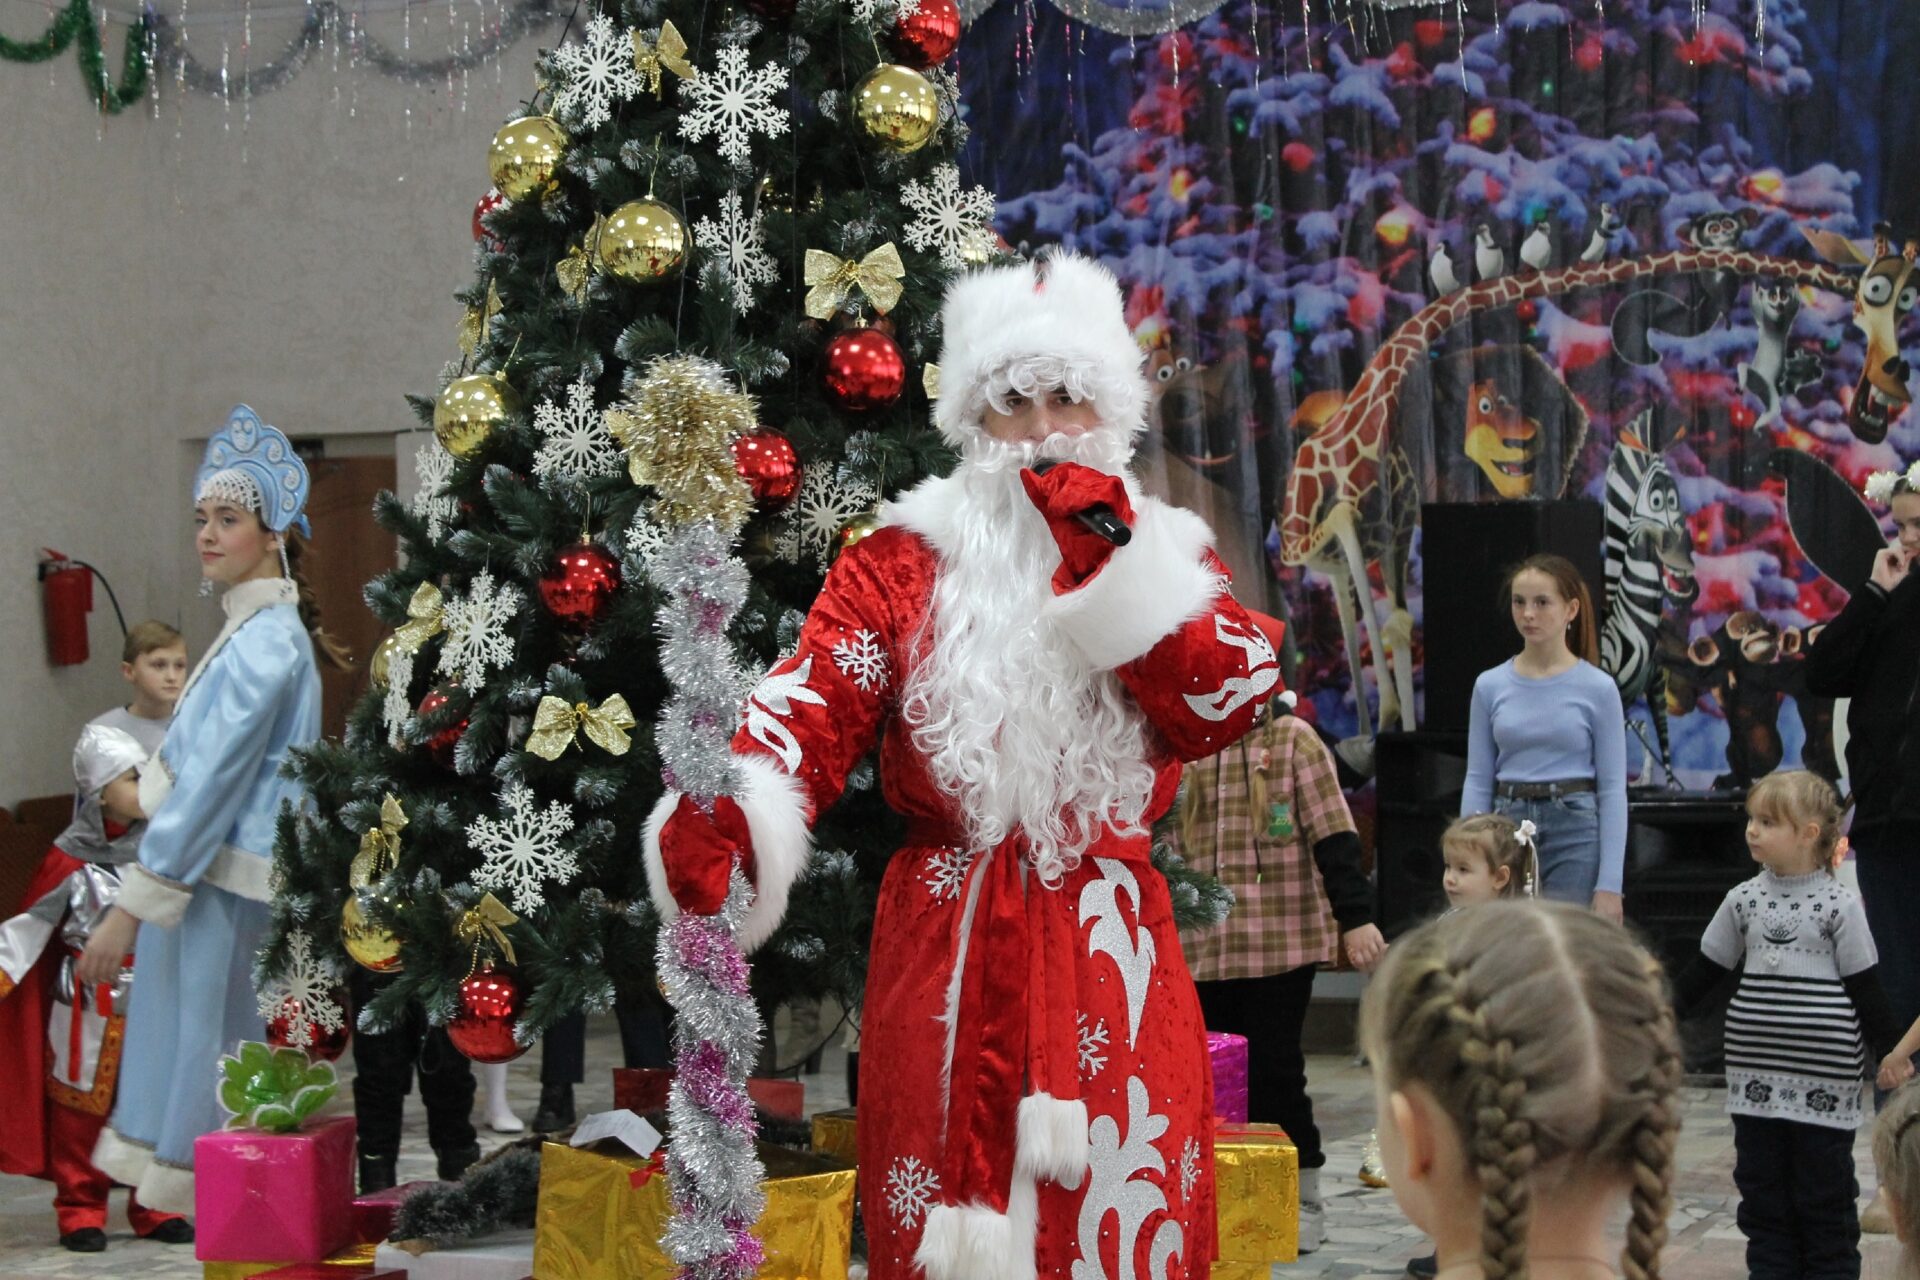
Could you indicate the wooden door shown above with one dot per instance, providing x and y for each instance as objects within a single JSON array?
[{"x": 348, "y": 551}]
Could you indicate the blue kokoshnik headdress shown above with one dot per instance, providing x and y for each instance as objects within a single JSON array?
[{"x": 252, "y": 465}]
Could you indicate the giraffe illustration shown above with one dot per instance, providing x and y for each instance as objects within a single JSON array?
[{"x": 1351, "y": 498}]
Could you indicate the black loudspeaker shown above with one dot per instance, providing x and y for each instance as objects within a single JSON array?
[
  {"x": 1466, "y": 549},
  {"x": 1417, "y": 780}
]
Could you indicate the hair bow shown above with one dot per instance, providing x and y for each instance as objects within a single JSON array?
[
  {"x": 555, "y": 724},
  {"x": 1882, "y": 485},
  {"x": 379, "y": 847},
  {"x": 668, "y": 53},
  {"x": 1526, "y": 832},
  {"x": 423, "y": 618},
  {"x": 832, "y": 280}
]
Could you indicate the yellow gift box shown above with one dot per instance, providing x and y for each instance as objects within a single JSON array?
[
  {"x": 1256, "y": 1180},
  {"x": 355, "y": 1255},
  {"x": 835, "y": 1134},
  {"x": 592, "y": 1223}
]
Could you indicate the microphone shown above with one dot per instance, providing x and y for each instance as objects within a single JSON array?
[{"x": 1099, "y": 518}]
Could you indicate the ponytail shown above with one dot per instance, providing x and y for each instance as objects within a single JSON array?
[{"x": 329, "y": 648}]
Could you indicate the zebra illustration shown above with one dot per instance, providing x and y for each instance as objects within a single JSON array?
[{"x": 1649, "y": 561}]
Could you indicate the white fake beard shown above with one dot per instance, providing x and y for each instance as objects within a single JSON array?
[{"x": 1015, "y": 726}]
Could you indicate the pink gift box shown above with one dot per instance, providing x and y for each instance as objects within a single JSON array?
[
  {"x": 1228, "y": 1056},
  {"x": 374, "y": 1212},
  {"x": 281, "y": 1197}
]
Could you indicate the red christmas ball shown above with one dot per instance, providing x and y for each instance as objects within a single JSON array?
[
  {"x": 928, "y": 36},
  {"x": 485, "y": 205},
  {"x": 441, "y": 744},
  {"x": 325, "y": 1044},
  {"x": 864, "y": 370},
  {"x": 577, "y": 589},
  {"x": 483, "y": 1027},
  {"x": 767, "y": 462}
]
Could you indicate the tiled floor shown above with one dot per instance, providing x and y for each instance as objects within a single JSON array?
[{"x": 1366, "y": 1235}]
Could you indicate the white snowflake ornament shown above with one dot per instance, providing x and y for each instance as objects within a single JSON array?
[
  {"x": 862, "y": 660},
  {"x": 303, "y": 995},
  {"x": 1093, "y": 1045},
  {"x": 395, "y": 707},
  {"x": 826, "y": 503},
  {"x": 884, "y": 13},
  {"x": 597, "y": 71},
  {"x": 522, "y": 851},
  {"x": 911, "y": 1187},
  {"x": 954, "y": 222},
  {"x": 433, "y": 466},
  {"x": 578, "y": 444},
  {"x": 477, "y": 630},
  {"x": 738, "y": 239},
  {"x": 645, "y": 538},
  {"x": 733, "y": 103}
]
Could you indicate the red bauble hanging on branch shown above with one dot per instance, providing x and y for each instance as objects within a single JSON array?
[
  {"x": 441, "y": 744},
  {"x": 927, "y": 37},
  {"x": 489, "y": 1006},
  {"x": 325, "y": 1044},
  {"x": 485, "y": 205},
  {"x": 580, "y": 585},
  {"x": 767, "y": 462},
  {"x": 864, "y": 370}
]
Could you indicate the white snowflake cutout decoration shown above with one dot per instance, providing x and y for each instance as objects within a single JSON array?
[
  {"x": 1093, "y": 1043},
  {"x": 477, "y": 630},
  {"x": 433, "y": 466},
  {"x": 645, "y": 538},
  {"x": 953, "y": 221},
  {"x": 733, "y": 103},
  {"x": 862, "y": 660},
  {"x": 946, "y": 874},
  {"x": 578, "y": 444},
  {"x": 522, "y": 851},
  {"x": 303, "y": 995},
  {"x": 738, "y": 239},
  {"x": 395, "y": 707},
  {"x": 911, "y": 1187},
  {"x": 1189, "y": 1168},
  {"x": 878, "y": 13},
  {"x": 826, "y": 503},
  {"x": 597, "y": 71}
]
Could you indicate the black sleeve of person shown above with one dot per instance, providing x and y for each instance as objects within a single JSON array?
[
  {"x": 1692, "y": 985},
  {"x": 1348, "y": 892},
  {"x": 1877, "y": 1023},
  {"x": 1836, "y": 663}
]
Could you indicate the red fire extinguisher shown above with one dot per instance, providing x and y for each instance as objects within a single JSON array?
[{"x": 66, "y": 594}]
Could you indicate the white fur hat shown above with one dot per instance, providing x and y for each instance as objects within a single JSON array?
[{"x": 1055, "y": 321}]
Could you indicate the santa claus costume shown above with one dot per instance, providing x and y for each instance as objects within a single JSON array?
[{"x": 1034, "y": 1098}]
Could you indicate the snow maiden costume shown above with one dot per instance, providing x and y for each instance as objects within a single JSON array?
[
  {"x": 1036, "y": 1097},
  {"x": 214, "y": 791}
]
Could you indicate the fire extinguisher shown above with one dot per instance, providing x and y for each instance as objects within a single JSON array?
[{"x": 66, "y": 596}]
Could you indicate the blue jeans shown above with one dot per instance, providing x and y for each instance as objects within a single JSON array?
[{"x": 1568, "y": 830}]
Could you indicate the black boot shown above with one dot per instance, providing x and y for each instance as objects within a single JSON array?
[
  {"x": 85, "y": 1240},
  {"x": 556, "y": 1108},
  {"x": 172, "y": 1231},
  {"x": 456, "y": 1161},
  {"x": 1424, "y": 1268},
  {"x": 376, "y": 1173}
]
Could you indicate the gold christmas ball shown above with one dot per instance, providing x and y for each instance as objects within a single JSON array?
[
  {"x": 372, "y": 946},
  {"x": 382, "y": 661},
  {"x": 470, "y": 409},
  {"x": 524, "y": 155},
  {"x": 855, "y": 530},
  {"x": 897, "y": 106},
  {"x": 643, "y": 241}
]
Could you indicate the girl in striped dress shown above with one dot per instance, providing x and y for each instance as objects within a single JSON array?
[{"x": 1796, "y": 1061}]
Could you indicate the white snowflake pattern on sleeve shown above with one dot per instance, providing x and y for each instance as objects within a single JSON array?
[
  {"x": 523, "y": 850},
  {"x": 303, "y": 995},
  {"x": 1189, "y": 1168},
  {"x": 946, "y": 873},
  {"x": 476, "y": 625},
  {"x": 733, "y": 103},
  {"x": 774, "y": 697},
  {"x": 862, "y": 660},
  {"x": 1093, "y": 1043},
  {"x": 597, "y": 71},
  {"x": 911, "y": 1187}
]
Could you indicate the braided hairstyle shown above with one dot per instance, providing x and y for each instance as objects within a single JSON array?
[
  {"x": 1545, "y": 1034},
  {"x": 1896, "y": 1155},
  {"x": 328, "y": 647}
]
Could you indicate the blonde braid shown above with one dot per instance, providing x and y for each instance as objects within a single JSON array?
[
  {"x": 1501, "y": 1142},
  {"x": 1653, "y": 1138}
]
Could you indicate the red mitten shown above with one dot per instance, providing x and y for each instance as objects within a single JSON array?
[
  {"x": 697, "y": 850},
  {"x": 1064, "y": 491}
]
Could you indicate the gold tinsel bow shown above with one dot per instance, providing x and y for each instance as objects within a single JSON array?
[
  {"x": 668, "y": 53},
  {"x": 379, "y": 847},
  {"x": 831, "y": 280},
  {"x": 474, "y": 325},
  {"x": 487, "y": 918},
  {"x": 576, "y": 269},
  {"x": 555, "y": 724},
  {"x": 423, "y": 618}
]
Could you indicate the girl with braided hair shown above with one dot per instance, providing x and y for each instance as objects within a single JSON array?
[
  {"x": 1896, "y": 1154},
  {"x": 1526, "y": 1068}
]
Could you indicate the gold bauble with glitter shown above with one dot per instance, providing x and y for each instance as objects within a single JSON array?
[
  {"x": 470, "y": 410},
  {"x": 372, "y": 946},
  {"x": 897, "y": 107},
  {"x": 643, "y": 241},
  {"x": 382, "y": 661},
  {"x": 524, "y": 155}
]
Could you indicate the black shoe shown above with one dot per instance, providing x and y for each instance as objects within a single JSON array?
[
  {"x": 1424, "y": 1268},
  {"x": 172, "y": 1231},
  {"x": 377, "y": 1173},
  {"x": 556, "y": 1108},
  {"x": 85, "y": 1240},
  {"x": 457, "y": 1161}
]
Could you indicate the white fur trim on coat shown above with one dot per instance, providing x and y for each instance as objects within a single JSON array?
[
  {"x": 1052, "y": 1139},
  {"x": 972, "y": 1242},
  {"x": 775, "y": 805},
  {"x": 1150, "y": 588},
  {"x": 154, "y": 899}
]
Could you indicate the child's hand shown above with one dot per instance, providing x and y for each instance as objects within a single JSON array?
[
  {"x": 1890, "y": 567},
  {"x": 1894, "y": 1071}
]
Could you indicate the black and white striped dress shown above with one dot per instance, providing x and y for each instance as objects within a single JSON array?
[{"x": 1793, "y": 1042}]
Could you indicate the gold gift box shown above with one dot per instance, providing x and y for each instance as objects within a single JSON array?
[
  {"x": 835, "y": 1134},
  {"x": 354, "y": 1255},
  {"x": 594, "y": 1224},
  {"x": 1256, "y": 1180}
]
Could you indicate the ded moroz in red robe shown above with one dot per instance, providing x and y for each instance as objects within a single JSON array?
[{"x": 1035, "y": 1097}]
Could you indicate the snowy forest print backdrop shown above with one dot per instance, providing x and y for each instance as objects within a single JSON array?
[{"x": 1381, "y": 260}]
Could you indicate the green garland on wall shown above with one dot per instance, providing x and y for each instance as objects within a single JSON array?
[{"x": 75, "y": 22}]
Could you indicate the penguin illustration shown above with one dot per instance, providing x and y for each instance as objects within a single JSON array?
[
  {"x": 1537, "y": 249},
  {"x": 1609, "y": 226},
  {"x": 1489, "y": 259},
  {"x": 1440, "y": 269}
]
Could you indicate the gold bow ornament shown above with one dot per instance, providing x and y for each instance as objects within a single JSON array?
[
  {"x": 424, "y": 620},
  {"x": 555, "y": 724},
  {"x": 668, "y": 53},
  {"x": 577, "y": 268},
  {"x": 832, "y": 280},
  {"x": 379, "y": 847},
  {"x": 487, "y": 920},
  {"x": 474, "y": 325}
]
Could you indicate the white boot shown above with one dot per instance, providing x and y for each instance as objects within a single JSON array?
[
  {"x": 500, "y": 1117},
  {"x": 1313, "y": 1212}
]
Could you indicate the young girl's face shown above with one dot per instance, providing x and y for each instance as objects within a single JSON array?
[
  {"x": 233, "y": 545},
  {"x": 1470, "y": 878},
  {"x": 1540, "y": 613},
  {"x": 1783, "y": 846}
]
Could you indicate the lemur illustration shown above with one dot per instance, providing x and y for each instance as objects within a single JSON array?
[
  {"x": 1776, "y": 371},
  {"x": 1640, "y": 314}
]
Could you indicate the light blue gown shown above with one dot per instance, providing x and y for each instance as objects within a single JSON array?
[{"x": 201, "y": 886}]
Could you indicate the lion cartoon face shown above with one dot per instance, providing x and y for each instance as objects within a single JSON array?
[{"x": 1503, "y": 443}]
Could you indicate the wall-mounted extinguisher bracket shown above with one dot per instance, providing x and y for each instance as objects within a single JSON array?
[{"x": 66, "y": 596}]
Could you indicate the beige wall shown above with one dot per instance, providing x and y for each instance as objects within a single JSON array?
[{"x": 155, "y": 275}]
